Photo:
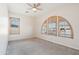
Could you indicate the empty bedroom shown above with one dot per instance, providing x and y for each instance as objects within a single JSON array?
[{"x": 39, "y": 28}]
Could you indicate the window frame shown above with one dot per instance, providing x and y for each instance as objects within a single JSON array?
[{"x": 57, "y": 26}]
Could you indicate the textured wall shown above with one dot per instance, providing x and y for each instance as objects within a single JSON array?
[
  {"x": 26, "y": 27},
  {"x": 3, "y": 28},
  {"x": 71, "y": 13}
]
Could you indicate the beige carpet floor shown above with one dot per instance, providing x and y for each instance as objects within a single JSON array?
[{"x": 38, "y": 47}]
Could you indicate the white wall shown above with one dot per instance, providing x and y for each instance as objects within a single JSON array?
[
  {"x": 71, "y": 13},
  {"x": 26, "y": 27},
  {"x": 3, "y": 28}
]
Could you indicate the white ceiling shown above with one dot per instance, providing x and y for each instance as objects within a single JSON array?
[{"x": 21, "y": 8}]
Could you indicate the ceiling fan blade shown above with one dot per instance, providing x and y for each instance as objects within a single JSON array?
[
  {"x": 39, "y": 9},
  {"x": 29, "y": 8},
  {"x": 34, "y": 5},
  {"x": 29, "y": 5},
  {"x": 38, "y": 4},
  {"x": 26, "y": 11}
]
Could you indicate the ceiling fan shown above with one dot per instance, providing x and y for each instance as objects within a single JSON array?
[{"x": 34, "y": 6}]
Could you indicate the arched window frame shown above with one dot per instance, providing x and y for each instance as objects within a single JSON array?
[{"x": 57, "y": 26}]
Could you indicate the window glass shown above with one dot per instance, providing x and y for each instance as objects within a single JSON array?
[{"x": 57, "y": 24}]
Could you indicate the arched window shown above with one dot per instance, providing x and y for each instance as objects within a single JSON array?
[{"x": 58, "y": 26}]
